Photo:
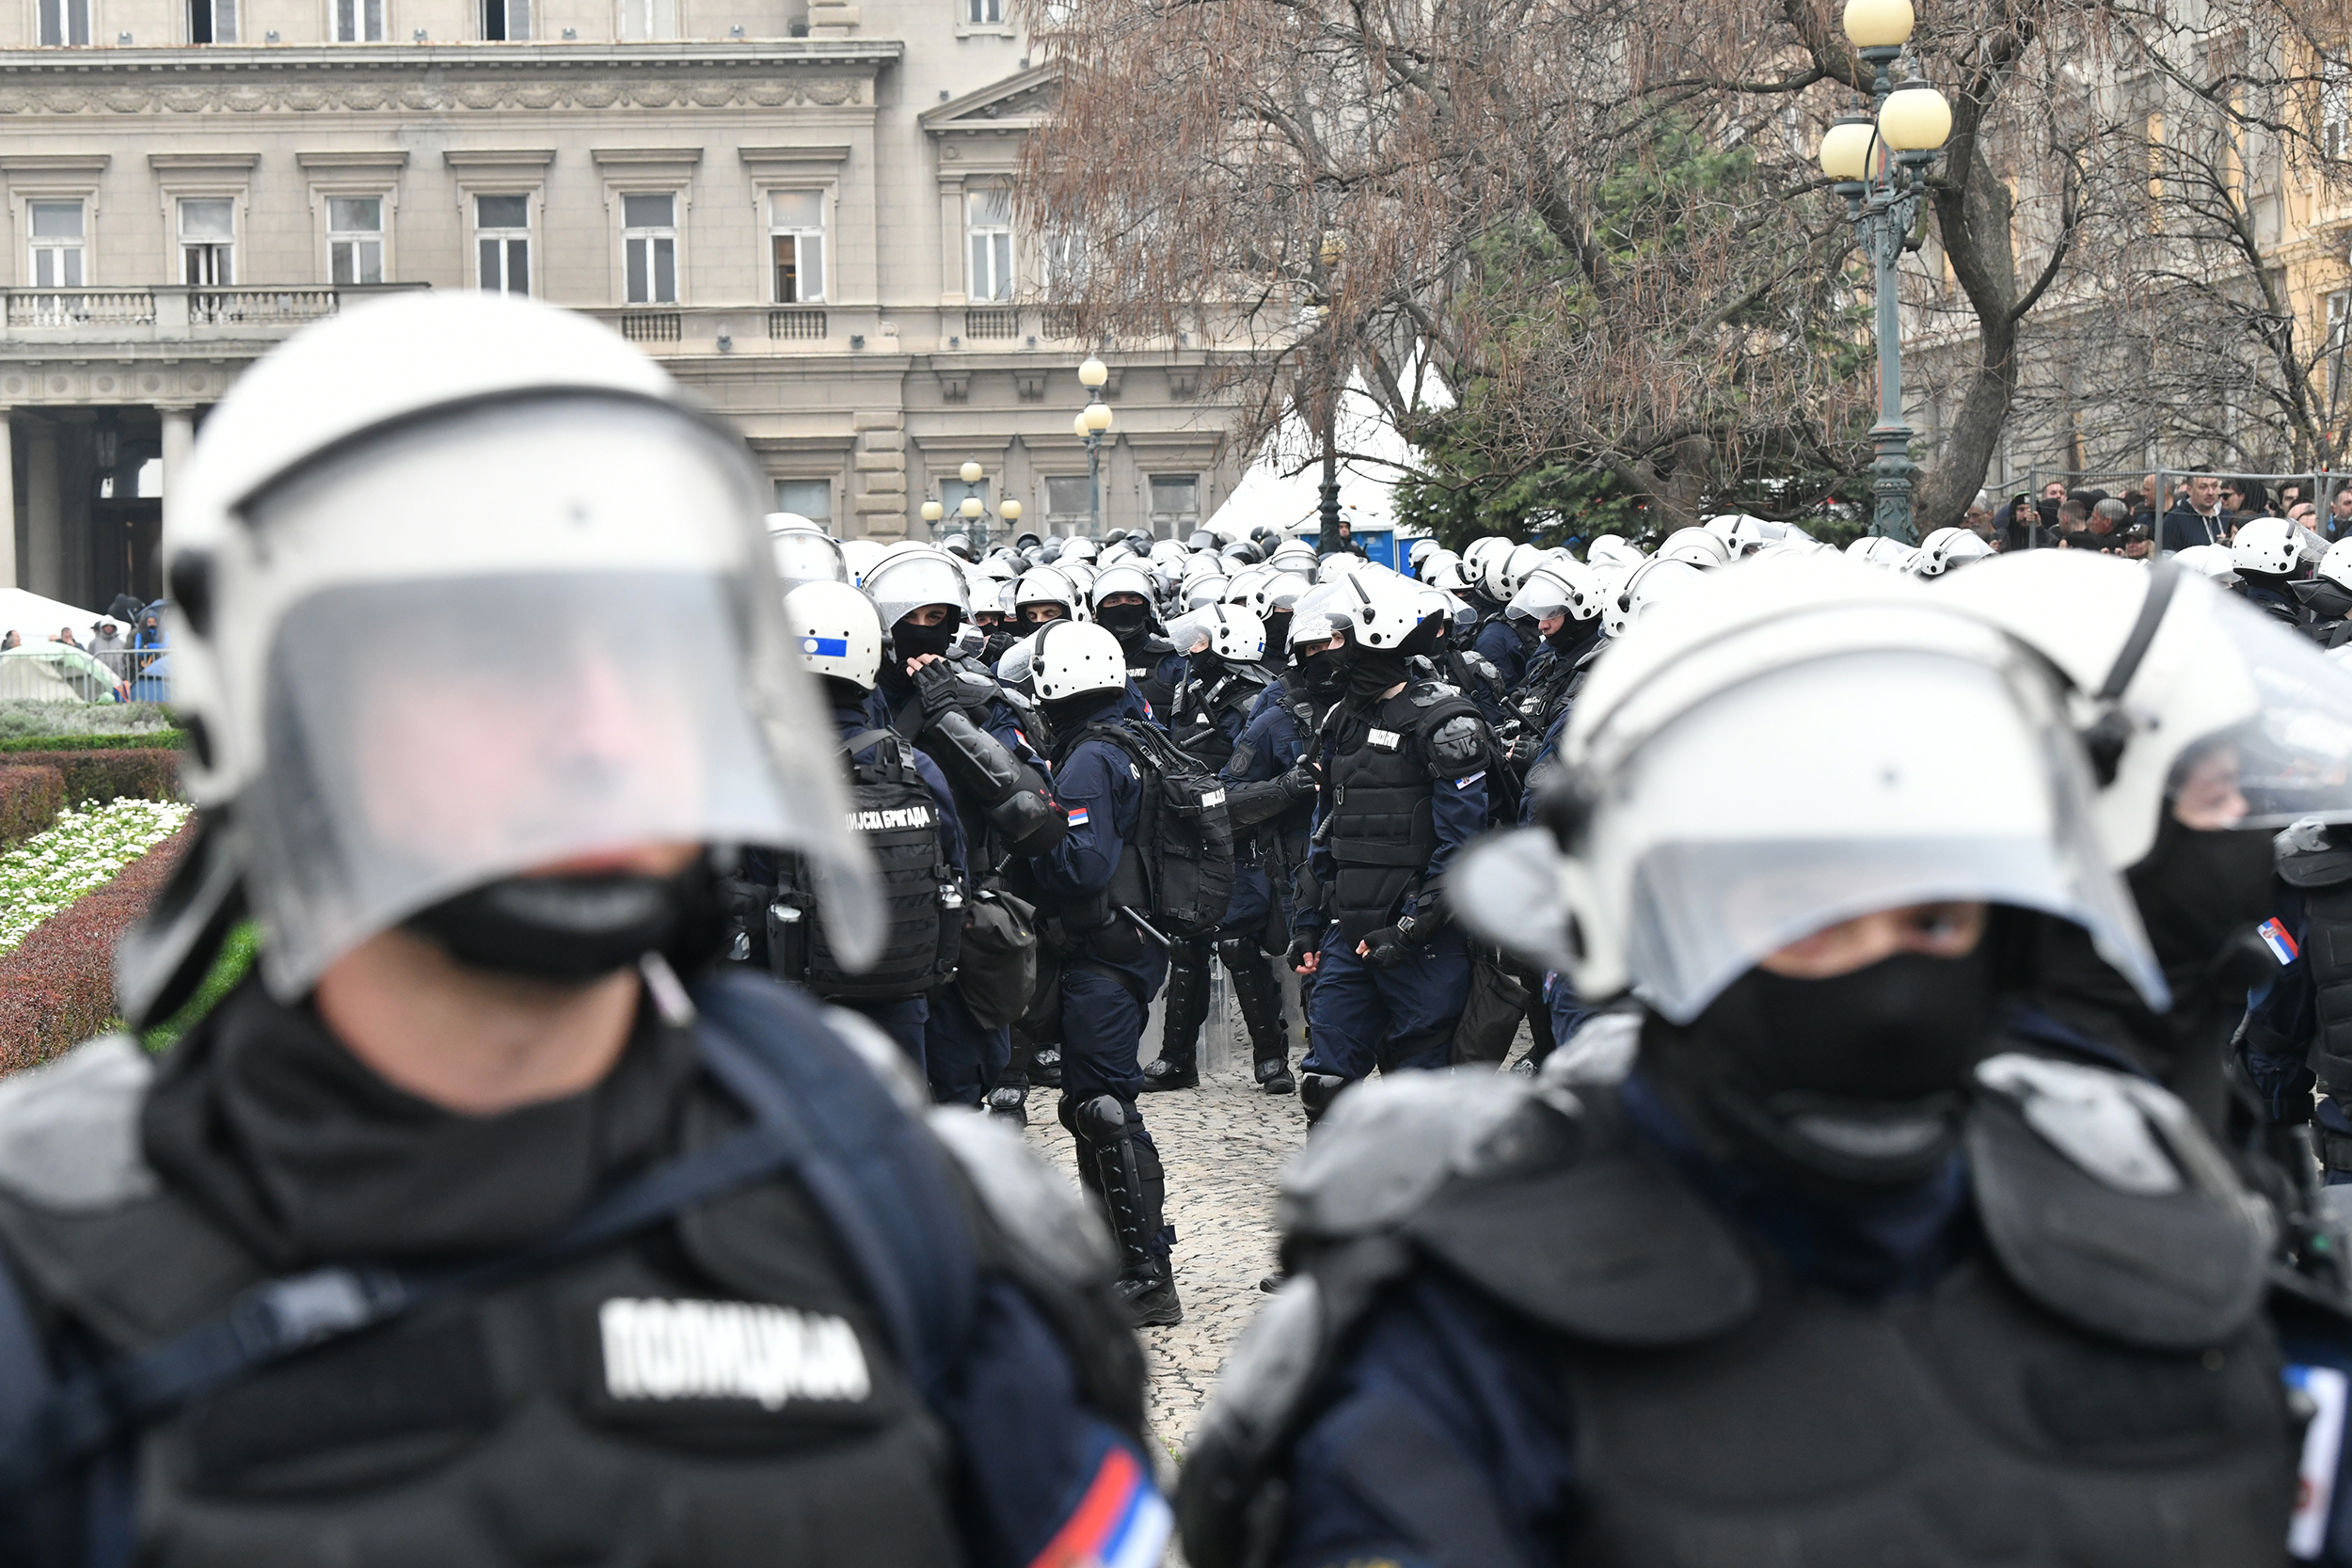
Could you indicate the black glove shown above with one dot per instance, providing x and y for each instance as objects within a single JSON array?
[
  {"x": 1390, "y": 946},
  {"x": 939, "y": 686},
  {"x": 1300, "y": 946},
  {"x": 1300, "y": 782}
]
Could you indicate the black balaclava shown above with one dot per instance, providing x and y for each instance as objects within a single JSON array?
[
  {"x": 1126, "y": 622},
  {"x": 1370, "y": 671},
  {"x": 574, "y": 928},
  {"x": 1856, "y": 1082},
  {"x": 1278, "y": 633},
  {"x": 909, "y": 640},
  {"x": 1068, "y": 715},
  {"x": 1574, "y": 636},
  {"x": 1321, "y": 675},
  {"x": 2202, "y": 893}
]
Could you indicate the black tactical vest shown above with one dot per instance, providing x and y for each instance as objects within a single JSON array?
[
  {"x": 1382, "y": 826},
  {"x": 2328, "y": 949},
  {"x": 1196, "y": 716},
  {"x": 1144, "y": 658}
]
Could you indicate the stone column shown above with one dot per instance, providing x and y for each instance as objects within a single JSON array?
[
  {"x": 879, "y": 470},
  {"x": 45, "y": 514},
  {"x": 7, "y": 504},
  {"x": 179, "y": 436}
]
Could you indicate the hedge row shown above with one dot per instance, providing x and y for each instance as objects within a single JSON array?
[
  {"x": 145, "y": 774},
  {"x": 30, "y": 799},
  {"x": 56, "y": 988},
  {"x": 128, "y": 741}
]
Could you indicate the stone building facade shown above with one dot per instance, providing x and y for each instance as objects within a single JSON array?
[{"x": 800, "y": 206}]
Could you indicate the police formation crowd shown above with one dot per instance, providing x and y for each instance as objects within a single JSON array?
[{"x": 1939, "y": 969}]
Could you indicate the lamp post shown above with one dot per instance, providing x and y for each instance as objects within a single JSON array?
[
  {"x": 1327, "y": 514},
  {"x": 1092, "y": 423},
  {"x": 971, "y": 511},
  {"x": 1880, "y": 164}
]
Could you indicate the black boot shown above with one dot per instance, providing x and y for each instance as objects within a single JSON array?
[
  {"x": 1009, "y": 1101},
  {"x": 1261, "y": 998},
  {"x": 1045, "y": 1067},
  {"x": 1134, "y": 1192},
  {"x": 1179, "y": 1063},
  {"x": 1316, "y": 1090}
]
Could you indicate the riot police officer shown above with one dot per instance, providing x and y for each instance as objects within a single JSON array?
[
  {"x": 1222, "y": 681},
  {"x": 1090, "y": 895},
  {"x": 1820, "y": 1272},
  {"x": 483, "y": 1224},
  {"x": 1405, "y": 768},
  {"x": 1121, "y": 604}
]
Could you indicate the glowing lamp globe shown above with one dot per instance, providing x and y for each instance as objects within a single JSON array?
[
  {"x": 970, "y": 471},
  {"x": 1097, "y": 416},
  {"x": 1009, "y": 512},
  {"x": 1078, "y": 427},
  {"x": 1845, "y": 153},
  {"x": 932, "y": 511},
  {"x": 1093, "y": 373},
  {"x": 1914, "y": 119},
  {"x": 971, "y": 507},
  {"x": 1878, "y": 23}
]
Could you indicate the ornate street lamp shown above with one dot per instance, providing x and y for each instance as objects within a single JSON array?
[
  {"x": 1328, "y": 521},
  {"x": 971, "y": 512},
  {"x": 1880, "y": 164},
  {"x": 1092, "y": 423}
]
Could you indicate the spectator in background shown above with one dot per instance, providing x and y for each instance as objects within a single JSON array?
[
  {"x": 11, "y": 641},
  {"x": 2340, "y": 512},
  {"x": 125, "y": 609},
  {"x": 2197, "y": 517},
  {"x": 1979, "y": 518},
  {"x": 110, "y": 646},
  {"x": 65, "y": 635},
  {"x": 2110, "y": 520},
  {"x": 2244, "y": 498},
  {"x": 2054, "y": 491},
  {"x": 2293, "y": 493},
  {"x": 2074, "y": 525},
  {"x": 151, "y": 629}
]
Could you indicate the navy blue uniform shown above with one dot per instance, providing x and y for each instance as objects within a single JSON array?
[{"x": 1504, "y": 648}]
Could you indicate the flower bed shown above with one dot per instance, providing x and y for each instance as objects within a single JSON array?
[
  {"x": 81, "y": 853},
  {"x": 57, "y": 988}
]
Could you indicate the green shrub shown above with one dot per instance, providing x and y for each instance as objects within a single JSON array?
[
  {"x": 30, "y": 799},
  {"x": 128, "y": 741},
  {"x": 22, "y": 719},
  {"x": 145, "y": 774},
  {"x": 57, "y": 988}
]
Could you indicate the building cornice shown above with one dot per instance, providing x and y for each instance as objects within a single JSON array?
[{"x": 400, "y": 80}]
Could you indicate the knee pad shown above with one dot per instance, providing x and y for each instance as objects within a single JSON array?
[
  {"x": 1066, "y": 1112},
  {"x": 1316, "y": 1090},
  {"x": 1240, "y": 952},
  {"x": 1100, "y": 1120}
]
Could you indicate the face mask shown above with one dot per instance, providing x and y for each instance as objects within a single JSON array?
[
  {"x": 910, "y": 640},
  {"x": 1278, "y": 629},
  {"x": 1857, "y": 1079},
  {"x": 576, "y": 928},
  {"x": 2200, "y": 892},
  {"x": 1124, "y": 621},
  {"x": 1371, "y": 672},
  {"x": 1573, "y": 636},
  {"x": 1320, "y": 675}
]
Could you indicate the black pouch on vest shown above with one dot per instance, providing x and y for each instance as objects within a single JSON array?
[{"x": 998, "y": 971}]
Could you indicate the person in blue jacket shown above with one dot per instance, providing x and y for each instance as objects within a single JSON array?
[{"x": 1093, "y": 905}]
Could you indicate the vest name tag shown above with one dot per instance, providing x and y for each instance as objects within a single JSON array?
[
  {"x": 728, "y": 1350},
  {"x": 1388, "y": 740},
  {"x": 882, "y": 821},
  {"x": 1213, "y": 797}
]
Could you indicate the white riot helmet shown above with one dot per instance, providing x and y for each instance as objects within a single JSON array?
[
  {"x": 2212, "y": 562},
  {"x": 1417, "y": 552},
  {"x": 1294, "y": 555},
  {"x": 1069, "y": 659},
  {"x": 2270, "y": 545},
  {"x": 1247, "y": 586},
  {"x": 1427, "y": 563},
  {"x": 1337, "y": 564},
  {"x": 1312, "y": 620},
  {"x": 1045, "y": 585},
  {"x": 906, "y": 580},
  {"x": 2335, "y": 566},
  {"x": 835, "y": 630},
  {"x": 1077, "y": 550},
  {"x": 1695, "y": 547},
  {"x": 1948, "y": 547},
  {"x": 1380, "y": 608},
  {"x": 1963, "y": 785},
  {"x": 1744, "y": 535},
  {"x": 1559, "y": 587},
  {"x": 1611, "y": 546},
  {"x": 1500, "y": 570},
  {"x": 1451, "y": 574},
  {"x": 862, "y": 555},
  {"x": 1122, "y": 579},
  {"x": 1646, "y": 586},
  {"x": 1232, "y": 632},
  {"x": 803, "y": 552},
  {"x": 1876, "y": 549},
  {"x": 2171, "y": 674},
  {"x": 464, "y": 585},
  {"x": 1282, "y": 591},
  {"x": 1205, "y": 591},
  {"x": 1474, "y": 554}
]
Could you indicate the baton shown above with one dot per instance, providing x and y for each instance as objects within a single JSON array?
[{"x": 1157, "y": 938}]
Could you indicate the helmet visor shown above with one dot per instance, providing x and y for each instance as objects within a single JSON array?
[
  {"x": 906, "y": 583},
  {"x": 802, "y": 555},
  {"x": 1540, "y": 597},
  {"x": 504, "y": 641},
  {"x": 1963, "y": 785},
  {"x": 2292, "y": 759}
]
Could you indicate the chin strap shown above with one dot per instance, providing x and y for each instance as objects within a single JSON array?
[{"x": 2106, "y": 735}]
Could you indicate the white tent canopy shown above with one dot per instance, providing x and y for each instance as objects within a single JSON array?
[
  {"x": 38, "y": 620},
  {"x": 1292, "y": 502}
]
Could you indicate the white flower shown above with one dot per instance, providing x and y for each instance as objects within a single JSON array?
[{"x": 83, "y": 852}]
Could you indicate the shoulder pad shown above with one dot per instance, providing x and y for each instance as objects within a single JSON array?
[
  {"x": 1033, "y": 1208},
  {"x": 1484, "y": 667},
  {"x": 1600, "y": 1051},
  {"x": 881, "y": 1053},
  {"x": 1458, "y": 744},
  {"x": 1388, "y": 1146},
  {"x": 69, "y": 1130},
  {"x": 2107, "y": 1203},
  {"x": 1426, "y": 693}
]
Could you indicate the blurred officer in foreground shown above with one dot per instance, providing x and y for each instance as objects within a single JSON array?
[
  {"x": 484, "y": 1225},
  {"x": 1819, "y": 1271}
]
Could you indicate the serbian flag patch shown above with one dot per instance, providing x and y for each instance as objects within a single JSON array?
[
  {"x": 2274, "y": 935},
  {"x": 1077, "y": 816},
  {"x": 1121, "y": 1522}
]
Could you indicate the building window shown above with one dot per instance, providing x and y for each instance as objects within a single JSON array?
[
  {"x": 2335, "y": 105},
  {"x": 64, "y": 22},
  {"x": 988, "y": 224},
  {"x": 951, "y": 495},
  {"x": 649, "y": 244},
  {"x": 208, "y": 242},
  {"x": 796, "y": 228},
  {"x": 642, "y": 20},
  {"x": 1068, "y": 503},
  {"x": 505, "y": 20},
  {"x": 2338, "y": 341},
  {"x": 355, "y": 238},
  {"x": 57, "y": 245},
  {"x": 811, "y": 497},
  {"x": 211, "y": 21},
  {"x": 984, "y": 14},
  {"x": 358, "y": 21},
  {"x": 502, "y": 237},
  {"x": 1175, "y": 504}
]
